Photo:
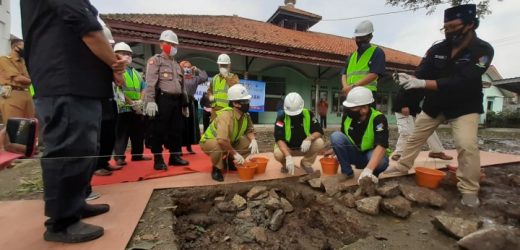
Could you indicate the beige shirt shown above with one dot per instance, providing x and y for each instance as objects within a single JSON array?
[
  {"x": 11, "y": 68},
  {"x": 224, "y": 124},
  {"x": 164, "y": 73}
]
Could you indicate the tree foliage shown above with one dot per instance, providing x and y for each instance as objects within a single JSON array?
[{"x": 483, "y": 6}]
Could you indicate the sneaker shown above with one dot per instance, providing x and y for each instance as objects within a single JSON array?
[
  {"x": 92, "y": 196},
  {"x": 396, "y": 157},
  {"x": 216, "y": 174},
  {"x": 103, "y": 172},
  {"x": 75, "y": 233},
  {"x": 440, "y": 155},
  {"x": 470, "y": 200}
]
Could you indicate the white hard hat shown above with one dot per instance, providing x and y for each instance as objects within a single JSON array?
[
  {"x": 169, "y": 36},
  {"x": 238, "y": 92},
  {"x": 358, "y": 96},
  {"x": 223, "y": 59},
  {"x": 293, "y": 104},
  {"x": 122, "y": 47},
  {"x": 364, "y": 28}
]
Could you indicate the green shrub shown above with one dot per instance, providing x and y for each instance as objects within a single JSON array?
[{"x": 504, "y": 119}]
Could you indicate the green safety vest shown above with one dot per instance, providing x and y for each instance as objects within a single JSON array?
[
  {"x": 306, "y": 125},
  {"x": 132, "y": 88},
  {"x": 367, "y": 141},
  {"x": 219, "y": 90},
  {"x": 211, "y": 132},
  {"x": 358, "y": 69},
  {"x": 31, "y": 90}
]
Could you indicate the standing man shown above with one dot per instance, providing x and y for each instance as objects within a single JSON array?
[
  {"x": 218, "y": 88},
  {"x": 451, "y": 72},
  {"x": 15, "y": 100},
  {"x": 193, "y": 76},
  {"x": 130, "y": 120},
  {"x": 406, "y": 107},
  {"x": 69, "y": 106},
  {"x": 231, "y": 134},
  {"x": 205, "y": 104},
  {"x": 323, "y": 109},
  {"x": 363, "y": 139},
  {"x": 297, "y": 132},
  {"x": 164, "y": 78},
  {"x": 366, "y": 64}
]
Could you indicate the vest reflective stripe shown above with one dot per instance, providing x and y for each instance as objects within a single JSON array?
[
  {"x": 132, "y": 87},
  {"x": 358, "y": 69},
  {"x": 367, "y": 141},
  {"x": 306, "y": 125},
  {"x": 220, "y": 89},
  {"x": 211, "y": 132}
]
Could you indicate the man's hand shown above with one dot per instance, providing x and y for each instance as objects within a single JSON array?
[
  {"x": 22, "y": 80},
  {"x": 405, "y": 111},
  {"x": 120, "y": 65},
  {"x": 289, "y": 164},
  {"x": 306, "y": 145},
  {"x": 347, "y": 89},
  {"x": 186, "y": 112},
  {"x": 328, "y": 153},
  {"x": 151, "y": 109},
  {"x": 367, "y": 172},
  {"x": 211, "y": 98},
  {"x": 137, "y": 106},
  {"x": 253, "y": 146},
  {"x": 409, "y": 82},
  {"x": 239, "y": 158},
  {"x": 119, "y": 80}
]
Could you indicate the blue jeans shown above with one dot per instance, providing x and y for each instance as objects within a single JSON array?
[{"x": 348, "y": 154}]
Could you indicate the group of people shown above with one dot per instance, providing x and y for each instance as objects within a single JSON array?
[{"x": 90, "y": 102}]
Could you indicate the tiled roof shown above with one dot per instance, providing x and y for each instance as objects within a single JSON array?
[
  {"x": 299, "y": 11},
  {"x": 234, "y": 28}
]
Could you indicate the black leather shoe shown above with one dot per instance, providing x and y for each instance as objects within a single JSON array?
[
  {"x": 176, "y": 160},
  {"x": 159, "y": 163},
  {"x": 230, "y": 164},
  {"x": 75, "y": 233},
  {"x": 141, "y": 158},
  {"x": 216, "y": 174},
  {"x": 120, "y": 162},
  {"x": 91, "y": 210}
]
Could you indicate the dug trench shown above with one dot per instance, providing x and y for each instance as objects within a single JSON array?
[{"x": 290, "y": 214}]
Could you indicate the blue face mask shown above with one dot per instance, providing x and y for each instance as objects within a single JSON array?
[{"x": 173, "y": 52}]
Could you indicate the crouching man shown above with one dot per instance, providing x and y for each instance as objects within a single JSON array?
[
  {"x": 231, "y": 134},
  {"x": 363, "y": 139},
  {"x": 296, "y": 132}
]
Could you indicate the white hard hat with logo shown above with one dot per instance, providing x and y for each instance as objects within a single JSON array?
[
  {"x": 169, "y": 36},
  {"x": 223, "y": 59},
  {"x": 364, "y": 28},
  {"x": 238, "y": 92},
  {"x": 122, "y": 47},
  {"x": 358, "y": 96},
  {"x": 293, "y": 104}
]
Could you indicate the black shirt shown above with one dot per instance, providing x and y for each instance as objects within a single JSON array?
[
  {"x": 297, "y": 131},
  {"x": 459, "y": 79},
  {"x": 357, "y": 130},
  {"x": 376, "y": 63},
  {"x": 58, "y": 60},
  {"x": 411, "y": 99}
]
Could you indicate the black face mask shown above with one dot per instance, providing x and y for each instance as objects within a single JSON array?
[
  {"x": 355, "y": 115},
  {"x": 244, "y": 107},
  {"x": 19, "y": 51},
  {"x": 362, "y": 44},
  {"x": 455, "y": 38}
]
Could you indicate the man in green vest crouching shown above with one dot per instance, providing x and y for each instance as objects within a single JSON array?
[
  {"x": 363, "y": 140},
  {"x": 366, "y": 64},
  {"x": 231, "y": 134},
  {"x": 297, "y": 132}
]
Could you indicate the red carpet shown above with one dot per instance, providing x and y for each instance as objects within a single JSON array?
[
  {"x": 7, "y": 157},
  {"x": 143, "y": 170}
]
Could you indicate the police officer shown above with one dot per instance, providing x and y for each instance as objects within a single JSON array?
[
  {"x": 217, "y": 91},
  {"x": 296, "y": 132},
  {"x": 363, "y": 139},
  {"x": 130, "y": 119},
  {"x": 165, "y": 98},
  {"x": 231, "y": 134},
  {"x": 366, "y": 64},
  {"x": 15, "y": 100},
  {"x": 451, "y": 72}
]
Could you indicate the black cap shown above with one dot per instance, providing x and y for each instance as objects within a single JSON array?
[{"x": 466, "y": 12}]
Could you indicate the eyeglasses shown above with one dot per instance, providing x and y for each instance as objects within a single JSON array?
[{"x": 451, "y": 28}]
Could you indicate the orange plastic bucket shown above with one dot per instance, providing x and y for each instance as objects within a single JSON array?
[
  {"x": 247, "y": 171},
  {"x": 329, "y": 165},
  {"x": 427, "y": 177},
  {"x": 261, "y": 164}
]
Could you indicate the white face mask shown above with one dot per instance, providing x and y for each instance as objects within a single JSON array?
[
  {"x": 128, "y": 59},
  {"x": 173, "y": 52},
  {"x": 224, "y": 71}
]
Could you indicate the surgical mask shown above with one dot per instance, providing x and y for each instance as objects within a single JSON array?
[
  {"x": 128, "y": 59},
  {"x": 455, "y": 38},
  {"x": 173, "y": 52},
  {"x": 355, "y": 115},
  {"x": 169, "y": 50},
  {"x": 244, "y": 107},
  {"x": 224, "y": 71}
]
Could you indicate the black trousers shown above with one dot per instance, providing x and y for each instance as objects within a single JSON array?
[
  {"x": 168, "y": 125},
  {"x": 323, "y": 121},
  {"x": 205, "y": 119},
  {"x": 191, "y": 135},
  {"x": 129, "y": 126},
  {"x": 71, "y": 127}
]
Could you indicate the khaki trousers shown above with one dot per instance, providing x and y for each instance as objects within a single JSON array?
[
  {"x": 308, "y": 158},
  {"x": 405, "y": 127},
  {"x": 18, "y": 104},
  {"x": 464, "y": 131},
  {"x": 215, "y": 152}
]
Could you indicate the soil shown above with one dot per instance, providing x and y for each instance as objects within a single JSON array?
[{"x": 188, "y": 219}]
